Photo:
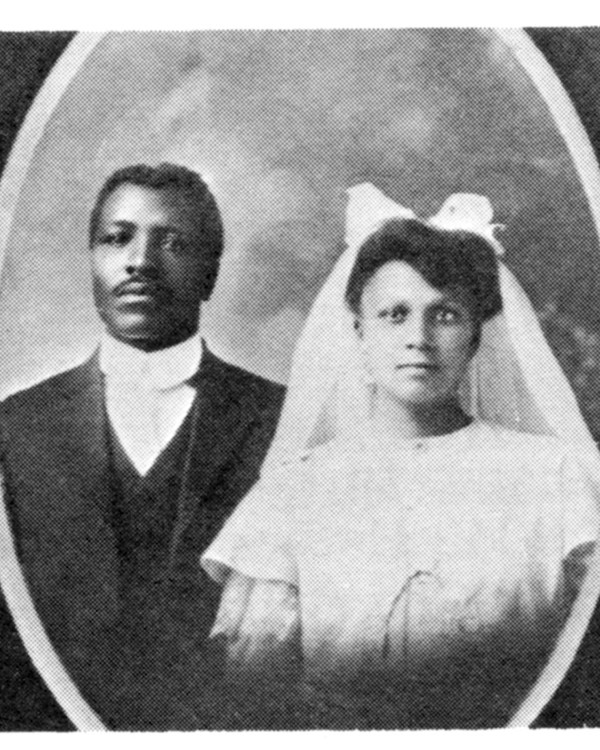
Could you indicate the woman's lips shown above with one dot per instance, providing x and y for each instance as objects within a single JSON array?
[{"x": 416, "y": 366}]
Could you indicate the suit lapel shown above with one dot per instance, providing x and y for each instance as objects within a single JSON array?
[
  {"x": 223, "y": 412},
  {"x": 222, "y": 416},
  {"x": 81, "y": 447},
  {"x": 66, "y": 501}
]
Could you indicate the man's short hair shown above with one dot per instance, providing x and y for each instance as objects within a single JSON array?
[{"x": 174, "y": 177}]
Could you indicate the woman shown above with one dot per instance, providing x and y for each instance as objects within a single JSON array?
[{"x": 405, "y": 558}]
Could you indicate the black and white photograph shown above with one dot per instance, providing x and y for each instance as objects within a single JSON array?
[{"x": 299, "y": 379}]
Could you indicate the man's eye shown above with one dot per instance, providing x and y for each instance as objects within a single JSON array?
[
  {"x": 173, "y": 243},
  {"x": 115, "y": 239}
]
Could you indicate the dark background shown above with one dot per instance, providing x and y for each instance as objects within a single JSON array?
[{"x": 25, "y": 60}]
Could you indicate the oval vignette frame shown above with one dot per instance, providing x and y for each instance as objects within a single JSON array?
[{"x": 12, "y": 580}]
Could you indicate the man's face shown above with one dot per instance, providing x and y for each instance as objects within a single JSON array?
[{"x": 148, "y": 266}]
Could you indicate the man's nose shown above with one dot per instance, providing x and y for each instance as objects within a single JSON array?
[{"x": 142, "y": 253}]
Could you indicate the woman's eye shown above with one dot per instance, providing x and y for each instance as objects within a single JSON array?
[
  {"x": 394, "y": 315},
  {"x": 447, "y": 316}
]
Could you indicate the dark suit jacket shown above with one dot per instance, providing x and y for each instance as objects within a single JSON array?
[{"x": 54, "y": 456}]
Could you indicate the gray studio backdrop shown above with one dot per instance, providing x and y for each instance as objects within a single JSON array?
[{"x": 280, "y": 124}]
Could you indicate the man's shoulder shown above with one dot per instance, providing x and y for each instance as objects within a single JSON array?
[
  {"x": 265, "y": 391},
  {"x": 41, "y": 396}
]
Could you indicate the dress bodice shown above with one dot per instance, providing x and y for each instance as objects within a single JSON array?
[{"x": 411, "y": 557}]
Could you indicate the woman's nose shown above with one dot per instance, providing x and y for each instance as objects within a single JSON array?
[{"x": 418, "y": 332}]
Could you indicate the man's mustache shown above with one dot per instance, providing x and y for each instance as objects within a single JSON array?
[{"x": 140, "y": 284}]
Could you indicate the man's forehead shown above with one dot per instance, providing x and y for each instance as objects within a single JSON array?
[{"x": 140, "y": 204}]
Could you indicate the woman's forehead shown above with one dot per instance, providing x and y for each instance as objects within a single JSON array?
[{"x": 398, "y": 281}]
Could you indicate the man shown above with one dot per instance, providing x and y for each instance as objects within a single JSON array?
[{"x": 120, "y": 471}]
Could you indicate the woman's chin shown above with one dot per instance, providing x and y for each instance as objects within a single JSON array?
[{"x": 414, "y": 396}]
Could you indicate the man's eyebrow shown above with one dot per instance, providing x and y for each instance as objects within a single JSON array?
[{"x": 130, "y": 224}]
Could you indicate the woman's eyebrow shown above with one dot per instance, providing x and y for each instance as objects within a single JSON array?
[{"x": 168, "y": 228}]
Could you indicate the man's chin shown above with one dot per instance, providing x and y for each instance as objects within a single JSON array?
[
  {"x": 147, "y": 337},
  {"x": 141, "y": 336}
]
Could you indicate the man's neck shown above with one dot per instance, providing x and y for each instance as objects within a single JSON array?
[{"x": 150, "y": 345}]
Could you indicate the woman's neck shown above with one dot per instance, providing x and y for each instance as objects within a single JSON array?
[{"x": 406, "y": 421}]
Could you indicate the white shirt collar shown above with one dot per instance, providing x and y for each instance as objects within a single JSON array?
[{"x": 161, "y": 370}]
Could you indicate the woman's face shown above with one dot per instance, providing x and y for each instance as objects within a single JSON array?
[{"x": 416, "y": 340}]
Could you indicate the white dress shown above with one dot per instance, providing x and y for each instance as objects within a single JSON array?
[{"x": 433, "y": 563}]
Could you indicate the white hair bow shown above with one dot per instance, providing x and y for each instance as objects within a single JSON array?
[
  {"x": 514, "y": 380},
  {"x": 368, "y": 209}
]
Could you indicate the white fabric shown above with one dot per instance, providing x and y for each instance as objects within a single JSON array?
[
  {"x": 405, "y": 551},
  {"x": 147, "y": 396},
  {"x": 514, "y": 379},
  {"x": 261, "y": 622},
  {"x": 482, "y": 518}
]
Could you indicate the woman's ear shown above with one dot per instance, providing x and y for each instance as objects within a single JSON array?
[
  {"x": 476, "y": 340},
  {"x": 358, "y": 327}
]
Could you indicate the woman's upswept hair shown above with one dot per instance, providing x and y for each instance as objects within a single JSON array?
[{"x": 447, "y": 259}]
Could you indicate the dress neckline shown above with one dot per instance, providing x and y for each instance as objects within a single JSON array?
[{"x": 423, "y": 444}]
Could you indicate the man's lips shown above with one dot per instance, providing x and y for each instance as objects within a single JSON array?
[{"x": 142, "y": 289}]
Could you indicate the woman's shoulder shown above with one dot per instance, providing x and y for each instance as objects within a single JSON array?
[
  {"x": 307, "y": 473},
  {"x": 509, "y": 436},
  {"x": 526, "y": 446},
  {"x": 340, "y": 448}
]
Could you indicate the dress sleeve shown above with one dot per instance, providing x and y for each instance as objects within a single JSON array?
[
  {"x": 580, "y": 484},
  {"x": 253, "y": 558},
  {"x": 258, "y": 539},
  {"x": 259, "y": 621}
]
